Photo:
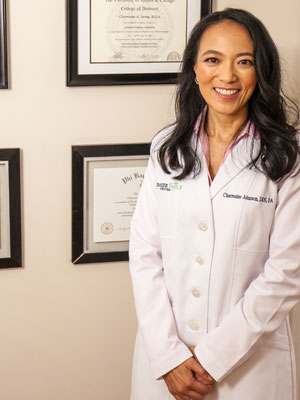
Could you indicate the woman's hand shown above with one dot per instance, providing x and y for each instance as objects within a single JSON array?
[
  {"x": 189, "y": 381},
  {"x": 199, "y": 377}
]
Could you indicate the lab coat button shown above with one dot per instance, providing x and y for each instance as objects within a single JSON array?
[
  {"x": 196, "y": 293},
  {"x": 199, "y": 260},
  {"x": 194, "y": 325},
  {"x": 203, "y": 226}
]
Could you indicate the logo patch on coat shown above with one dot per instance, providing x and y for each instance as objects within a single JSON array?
[{"x": 168, "y": 186}]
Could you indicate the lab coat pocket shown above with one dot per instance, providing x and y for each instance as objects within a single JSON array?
[
  {"x": 279, "y": 341},
  {"x": 255, "y": 224},
  {"x": 247, "y": 266}
]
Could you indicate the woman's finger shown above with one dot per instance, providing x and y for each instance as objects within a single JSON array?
[
  {"x": 201, "y": 374},
  {"x": 182, "y": 382}
]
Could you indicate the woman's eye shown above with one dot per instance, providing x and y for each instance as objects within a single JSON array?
[
  {"x": 212, "y": 60},
  {"x": 246, "y": 62}
]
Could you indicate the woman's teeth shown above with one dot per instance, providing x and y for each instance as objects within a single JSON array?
[{"x": 226, "y": 92}]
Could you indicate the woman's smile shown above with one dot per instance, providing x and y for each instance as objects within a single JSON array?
[{"x": 227, "y": 93}]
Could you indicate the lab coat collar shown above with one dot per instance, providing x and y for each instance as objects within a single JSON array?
[{"x": 236, "y": 162}]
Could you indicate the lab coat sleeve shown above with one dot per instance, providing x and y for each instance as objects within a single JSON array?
[
  {"x": 268, "y": 299},
  {"x": 154, "y": 312}
]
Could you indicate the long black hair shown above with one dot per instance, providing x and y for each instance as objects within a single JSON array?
[{"x": 268, "y": 105}]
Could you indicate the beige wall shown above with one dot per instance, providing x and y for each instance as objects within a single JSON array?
[{"x": 67, "y": 331}]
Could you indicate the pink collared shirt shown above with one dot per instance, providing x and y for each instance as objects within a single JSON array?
[{"x": 248, "y": 129}]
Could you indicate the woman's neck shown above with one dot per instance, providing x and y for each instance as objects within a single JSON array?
[{"x": 225, "y": 128}]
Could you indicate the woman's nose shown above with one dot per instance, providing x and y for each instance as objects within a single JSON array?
[{"x": 227, "y": 73}]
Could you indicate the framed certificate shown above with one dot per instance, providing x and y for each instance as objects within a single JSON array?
[
  {"x": 105, "y": 183},
  {"x": 10, "y": 209},
  {"x": 3, "y": 46},
  {"x": 121, "y": 42}
]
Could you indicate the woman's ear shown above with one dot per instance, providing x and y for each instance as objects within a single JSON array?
[{"x": 196, "y": 78}]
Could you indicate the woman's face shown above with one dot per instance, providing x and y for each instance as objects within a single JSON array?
[{"x": 225, "y": 69}]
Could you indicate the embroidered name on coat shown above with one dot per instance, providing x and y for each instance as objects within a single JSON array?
[{"x": 259, "y": 199}]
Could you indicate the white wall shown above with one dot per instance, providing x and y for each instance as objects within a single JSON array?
[{"x": 67, "y": 331}]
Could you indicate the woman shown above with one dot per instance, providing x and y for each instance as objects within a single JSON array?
[{"x": 215, "y": 240}]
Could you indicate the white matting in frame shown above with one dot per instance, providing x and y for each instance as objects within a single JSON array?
[
  {"x": 4, "y": 211},
  {"x": 114, "y": 221}
]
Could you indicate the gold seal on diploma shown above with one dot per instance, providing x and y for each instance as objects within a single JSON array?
[
  {"x": 107, "y": 228},
  {"x": 174, "y": 56}
]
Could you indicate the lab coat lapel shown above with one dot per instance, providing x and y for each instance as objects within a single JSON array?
[
  {"x": 235, "y": 163},
  {"x": 199, "y": 189}
]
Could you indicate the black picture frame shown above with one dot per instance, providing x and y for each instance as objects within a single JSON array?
[
  {"x": 81, "y": 155},
  {"x": 3, "y": 46},
  {"x": 12, "y": 157},
  {"x": 76, "y": 79}
]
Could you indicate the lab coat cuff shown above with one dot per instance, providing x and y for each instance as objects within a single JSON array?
[
  {"x": 209, "y": 364},
  {"x": 172, "y": 361}
]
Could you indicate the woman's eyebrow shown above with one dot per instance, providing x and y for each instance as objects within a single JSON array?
[{"x": 219, "y": 53}]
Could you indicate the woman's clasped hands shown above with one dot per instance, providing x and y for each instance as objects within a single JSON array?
[{"x": 189, "y": 380}]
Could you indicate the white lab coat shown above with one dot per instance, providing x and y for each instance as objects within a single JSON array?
[{"x": 217, "y": 267}]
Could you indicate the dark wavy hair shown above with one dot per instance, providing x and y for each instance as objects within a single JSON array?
[{"x": 268, "y": 106}]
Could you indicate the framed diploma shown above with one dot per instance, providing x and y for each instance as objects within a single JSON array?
[
  {"x": 10, "y": 209},
  {"x": 122, "y": 42},
  {"x": 3, "y": 46},
  {"x": 105, "y": 183}
]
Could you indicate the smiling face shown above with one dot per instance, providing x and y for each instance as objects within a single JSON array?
[{"x": 225, "y": 69}]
